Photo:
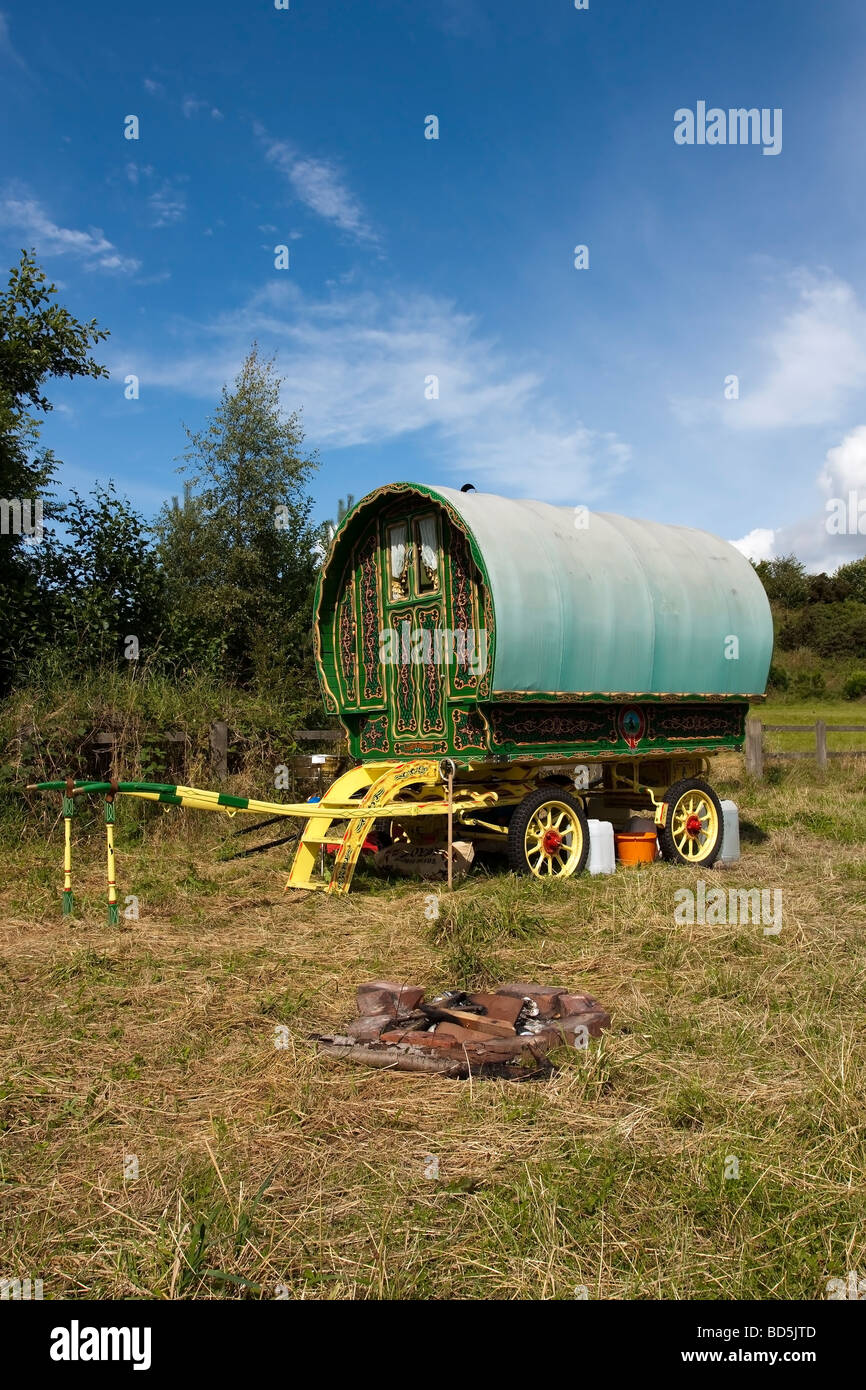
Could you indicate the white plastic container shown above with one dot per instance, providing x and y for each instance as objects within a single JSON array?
[
  {"x": 602, "y": 854},
  {"x": 730, "y": 851}
]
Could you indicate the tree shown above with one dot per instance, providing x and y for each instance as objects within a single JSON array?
[
  {"x": 239, "y": 556},
  {"x": 785, "y": 580},
  {"x": 39, "y": 341},
  {"x": 851, "y": 580},
  {"x": 103, "y": 584},
  {"x": 824, "y": 588},
  {"x": 832, "y": 630}
]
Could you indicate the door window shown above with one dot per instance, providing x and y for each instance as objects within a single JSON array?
[
  {"x": 398, "y": 562},
  {"x": 427, "y": 555}
]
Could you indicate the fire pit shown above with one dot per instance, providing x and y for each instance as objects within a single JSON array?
[{"x": 508, "y": 1032}]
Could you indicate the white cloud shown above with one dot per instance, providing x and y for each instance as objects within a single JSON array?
[
  {"x": 135, "y": 172},
  {"x": 817, "y": 361},
  {"x": 320, "y": 185},
  {"x": 814, "y": 363},
  {"x": 841, "y": 480},
  {"x": 27, "y": 218},
  {"x": 7, "y": 48},
  {"x": 155, "y": 89},
  {"x": 158, "y": 277},
  {"x": 845, "y": 466},
  {"x": 758, "y": 544},
  {"x": 190, "y": 106},
  {"x": 167, "y": 205},
  {"x": 461, "y": 18},
  {"x": 358, "y": 365}
]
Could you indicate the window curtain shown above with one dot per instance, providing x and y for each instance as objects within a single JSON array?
[
  {"x": 429, "y": 548},
  {"x": 399, "y": 560}
]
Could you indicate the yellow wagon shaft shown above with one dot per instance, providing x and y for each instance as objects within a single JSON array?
[
  {"x": 487, "y": 803},
  {"x": 344, "y": 816}
]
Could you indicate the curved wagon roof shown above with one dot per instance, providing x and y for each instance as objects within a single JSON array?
[{"x": 612, "y": 606}]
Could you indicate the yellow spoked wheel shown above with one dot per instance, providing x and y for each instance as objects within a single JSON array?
[
  {"x": 548, "y": 835},
  {"x": 692, "y": 833}
]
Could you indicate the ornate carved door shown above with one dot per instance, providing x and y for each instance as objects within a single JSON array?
[{"x": 413, "y": 647}]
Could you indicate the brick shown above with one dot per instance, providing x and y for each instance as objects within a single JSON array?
[
  {"x": 505, "y": 1049},
  {"x": 397, "y": 1033},
  {"x": 383, "y": 997},
  {"x": 502, "y": 1006},
  {"x": 545, "y": 996},
  {"x": 460, "y": 1034},
  {"x": 593, "y": 1020},
  {"x": 576, "y": 1004},
  {"x": 369, "y": 1027}
]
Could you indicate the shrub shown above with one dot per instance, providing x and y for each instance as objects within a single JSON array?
[
  {"x": 810, "y": 683},
  {"x": 778, "y": 679},
  {"x": 855, "y": 686}
]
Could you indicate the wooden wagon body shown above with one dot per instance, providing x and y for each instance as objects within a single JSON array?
[{"x": 476, "y": 627}]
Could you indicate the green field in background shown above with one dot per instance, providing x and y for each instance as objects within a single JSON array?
[{"x": 807, "y": 712}]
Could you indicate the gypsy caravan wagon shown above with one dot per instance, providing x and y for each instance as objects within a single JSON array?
[
  {"x": 517, "y": 642},
  {"x": 505, "y": 670}
]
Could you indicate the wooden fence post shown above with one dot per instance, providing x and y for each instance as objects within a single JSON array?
[
  {"x": 219, "y": 746},
  {"x": 821, "y": 744},
  {"x": 755, "y": 748}
]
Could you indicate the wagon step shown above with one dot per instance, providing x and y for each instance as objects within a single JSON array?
[{"x": 369, "y": 791}]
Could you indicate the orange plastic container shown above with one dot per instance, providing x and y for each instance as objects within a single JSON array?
[{"x": 636, "y": 847}]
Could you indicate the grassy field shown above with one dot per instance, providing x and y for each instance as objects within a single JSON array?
[
  {"x": 266, "y": 1171},
  {"x": 806, "y": 712}
]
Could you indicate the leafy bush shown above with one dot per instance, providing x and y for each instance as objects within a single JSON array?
[
  {"x": 855, "y": 686},
  {"x": 810, "y": 683},
  {"x": 831, "y": 630},
  {"x": 778, "y": 678}
]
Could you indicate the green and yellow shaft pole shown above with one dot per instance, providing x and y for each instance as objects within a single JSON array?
[
  {"x": 68, "y": 813},
  {"x": 109, "y": 851}
]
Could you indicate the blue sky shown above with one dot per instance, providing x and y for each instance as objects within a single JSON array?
[{"x": 454, "y": 257}]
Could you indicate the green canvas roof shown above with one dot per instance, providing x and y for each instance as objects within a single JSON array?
[{"x": 615, "y": 606}]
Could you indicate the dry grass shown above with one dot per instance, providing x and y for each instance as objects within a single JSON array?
[{"x": 267, "y": 1171}]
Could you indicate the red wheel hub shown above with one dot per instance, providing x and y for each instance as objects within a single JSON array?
[
  {"x": 694, "y": 825},
  {"x": 551, "y": 841}
]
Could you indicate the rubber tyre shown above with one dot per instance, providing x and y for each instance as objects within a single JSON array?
[
  {"x": 522, "y": 818},
  {"x": 667, "y": 841}
]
